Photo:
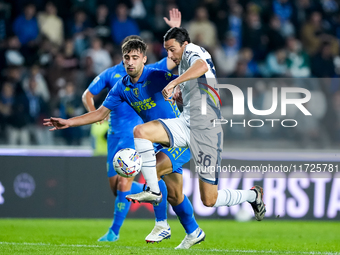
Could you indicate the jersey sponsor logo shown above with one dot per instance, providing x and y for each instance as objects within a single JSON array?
[
  {"x": 211, "y": 95},
  {"x": 117, "y": 75},
  {"x": 144, "y": 105},
  {"x": 136, "y": 92},
  {"x": 146, "y": 84},
  {"x": 127, "y": 89},
  {"x": 168, "y": 76}
]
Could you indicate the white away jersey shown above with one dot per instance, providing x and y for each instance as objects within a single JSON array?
[{"x": 194, "y": 91}]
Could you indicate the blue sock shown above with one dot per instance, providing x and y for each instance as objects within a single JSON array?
[
  {"x": 122, "y": 207},
  {"x": 160, "y": 210},
  {"x": 185, "y": 213},
  {"x": 136, "y": 187}
]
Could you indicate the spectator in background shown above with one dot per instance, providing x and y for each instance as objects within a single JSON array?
[
  {"x": 322, "y": 64},
  {"x": 275, "y": 38},
  {"x": 51, "y": 25},
  {"x": 241, "y": 70},
  {"x": 102, "y": 23},
  {"x": 89, "y": 6},
  {"x": 40, "y": 86},
  {"x": 70, "y": 105},
  {"x": 57, "y": 75},
  {"x": 235, "y": 22},
  {"x": 122, "y": 26},
  {"x": 313, "y": 35},
  {"x": 226, "y": 55},
  {"x": 297, "y": 59},
  {"x": 138, "y": 13},
  {"x": 70, "y": 59},
  {"x": 246, "y": 55},
  {"x": 6, "y": 104},
  {"x": 202, "y": 31},
  {"x": 38, "y": 109},
  {"x": 284, "y": 10},
  {"x": 275, "y": 65},
  {"x": 26, "y": 26},
  {"x": 253, "y": 35},
  {"x": 18, "y": 120},
  {"x": 12, "y": 54},
  {"x": 78, "y": 29},
  {"x": 100, "y": 57}
]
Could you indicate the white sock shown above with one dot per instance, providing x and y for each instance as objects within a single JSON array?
[
  {"x": 162, "y": 223},
  {"x": 230, "y": 197},
  {"x": 146, "y": 150}
]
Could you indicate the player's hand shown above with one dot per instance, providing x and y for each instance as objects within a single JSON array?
[
  {"x": 177, "y": 96},
  {"x": 56, "y": 123},
  {"x": 168, "y": 91},
  {"x": 175, "y": 18},
  {"x": 102, "y": 121}
]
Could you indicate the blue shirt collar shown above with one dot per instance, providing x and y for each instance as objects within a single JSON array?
[{"x": 141, "y": 79}]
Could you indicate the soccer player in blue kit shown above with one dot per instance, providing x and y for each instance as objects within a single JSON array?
[
  {"x": 142, "y": 89},
  {"x": 120, "y": 136}
]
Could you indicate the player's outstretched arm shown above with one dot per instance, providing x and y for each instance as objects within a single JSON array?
[
  {"x": 88, "y": 118},
  {"x": 175, "y": 18},
  {"x": 175, "y": 21},
  {"x": 198, "y": 68}
]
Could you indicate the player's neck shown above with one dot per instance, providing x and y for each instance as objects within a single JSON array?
[{"x": 136, "y": 78}]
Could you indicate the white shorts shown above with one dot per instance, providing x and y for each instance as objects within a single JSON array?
[{"x": 205, "y": 146}]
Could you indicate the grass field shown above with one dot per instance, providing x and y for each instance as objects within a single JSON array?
[{"x": 75, "y": 236}]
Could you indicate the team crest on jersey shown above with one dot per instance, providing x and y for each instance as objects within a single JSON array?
[
  {"x": 136, "y": 92},
  {"x": 168, "y": 76}
]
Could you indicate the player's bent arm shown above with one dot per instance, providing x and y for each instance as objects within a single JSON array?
[
  {"x": 88, "y": 102},
  {"x": 90, "y": 117},
  {"x": 196, "y": 70}
]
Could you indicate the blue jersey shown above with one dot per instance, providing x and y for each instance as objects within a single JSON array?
[
  {"x": 145, "y": 96},
  {"x": 124, "y": 117}
]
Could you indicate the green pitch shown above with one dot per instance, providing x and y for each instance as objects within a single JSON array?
[{"x": 74, "y": 236}]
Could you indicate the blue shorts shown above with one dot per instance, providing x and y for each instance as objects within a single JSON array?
[
  {"x": 178, "y": 156},
  {"x": 114, "y": 144}
]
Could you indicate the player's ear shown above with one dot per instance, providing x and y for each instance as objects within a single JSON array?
[{"x": 145, "y": 58}]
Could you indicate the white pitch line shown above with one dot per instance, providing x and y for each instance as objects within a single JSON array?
[
  {"x": 49, "y": 244},
  {"x": 165, "y": 248}
]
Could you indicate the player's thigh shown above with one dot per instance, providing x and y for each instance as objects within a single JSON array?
[
  {"x": 208, "y": 193},
  {"x": 206, "y": 151},
  {"x": 174, "y": 184},
  {"x": 153, "y": 131}
]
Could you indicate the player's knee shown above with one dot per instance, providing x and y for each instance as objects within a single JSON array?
[
  {"x": 208, "y": 202},
  {"x": 139, "y": 132}
]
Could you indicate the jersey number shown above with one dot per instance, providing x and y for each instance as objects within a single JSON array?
[{"x": 205, "y": 160}]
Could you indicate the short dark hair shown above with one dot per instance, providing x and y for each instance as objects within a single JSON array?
[
  {"x": 134, "y": 44},
  {"x": 179, "y": 34},
  {"x": 132, "y": 37}
]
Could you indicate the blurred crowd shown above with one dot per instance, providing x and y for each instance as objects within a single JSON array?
[{"x": 50, "y": 51}]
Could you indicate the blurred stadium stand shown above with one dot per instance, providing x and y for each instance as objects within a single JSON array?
[{"x": 51, "y": 50}]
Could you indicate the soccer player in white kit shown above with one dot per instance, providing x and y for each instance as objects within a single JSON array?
[{"x": 192, "y": 128}]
